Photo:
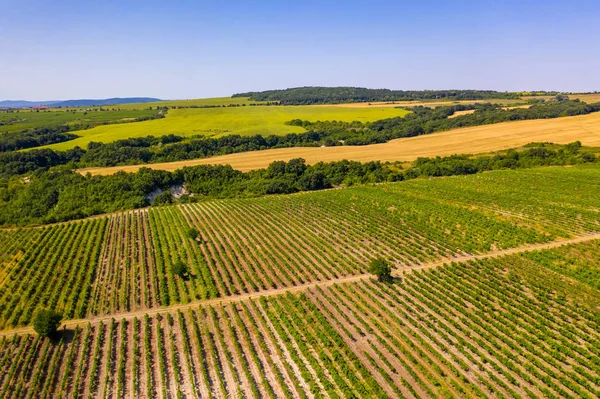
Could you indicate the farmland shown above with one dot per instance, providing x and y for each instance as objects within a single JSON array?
[
  {"x": 199, "y": 102},
  {"x": 12, "y": 121},
  {"x": 473, "y": 140},
  {"x": 122, "y": 262},
  {"x": 216, "y": 122},
  {"x": 494, "y": 272},
  {"x": 482, "y": 328}
]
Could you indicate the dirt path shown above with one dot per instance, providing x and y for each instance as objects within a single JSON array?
[{"x": 71, "y": 324}]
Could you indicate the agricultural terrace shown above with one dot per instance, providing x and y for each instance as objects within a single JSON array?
[
  {"x": 122, "y": 262},
  {"x": 488, "y": 328},
  {"x": 222, "y": 121},
  {"x": 469, "y": 140}
]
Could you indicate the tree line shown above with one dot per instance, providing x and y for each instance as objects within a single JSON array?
[
  {"x": 333, "y": 95},
  {"x": 62, "y": 194}
]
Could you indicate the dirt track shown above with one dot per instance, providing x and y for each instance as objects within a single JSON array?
[{"x": 71, "y": 324}]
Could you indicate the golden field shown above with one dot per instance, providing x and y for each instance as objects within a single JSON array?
[{"x": 470, "y": 140}]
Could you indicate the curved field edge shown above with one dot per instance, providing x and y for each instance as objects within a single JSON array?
[{"x": 470, "y": 140}]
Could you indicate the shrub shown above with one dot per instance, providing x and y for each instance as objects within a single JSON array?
[
  {"x": 193, "y": 233},
  {"x": 179, "y": 269}
]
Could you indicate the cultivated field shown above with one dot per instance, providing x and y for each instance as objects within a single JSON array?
[
  {"x": 471, "y": 140},
  {"x": 488, "y": 328},
  {"x": 26, "y": 119},
  {"x": 278, "y": 302},
  {"x": 216, "y": 122},
  {"x": 122, "y": 262}
]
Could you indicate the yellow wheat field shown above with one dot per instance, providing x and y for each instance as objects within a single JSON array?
[{"x": 470, "y": 140}]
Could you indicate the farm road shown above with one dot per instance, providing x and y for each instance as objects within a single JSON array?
[{"x": 71, "y": 324}]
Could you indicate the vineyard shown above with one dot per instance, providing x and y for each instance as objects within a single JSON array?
[
  {"x": 122, "y": 262},
  {"x": 486, "y": 328},
  {"x": 521, "y": 325}
]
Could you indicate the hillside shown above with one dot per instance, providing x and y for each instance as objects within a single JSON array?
[
  {"x": 469, "y": 140},
  {"x": 277, "y": 299}
]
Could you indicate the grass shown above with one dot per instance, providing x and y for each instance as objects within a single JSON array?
[
  {"x": 471, "y": 140},
  {"x": 265, "y": 120}
]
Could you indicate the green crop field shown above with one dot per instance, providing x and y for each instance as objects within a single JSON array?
[
  {"x": 265, "y": 120},
  {"x": 11, "y": 121},
  {"x": 487, "y": 302}
]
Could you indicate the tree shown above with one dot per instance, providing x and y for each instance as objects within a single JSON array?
[
  {"x": 164, "y": 198},
  {"x": 179, "y": 269},
  {"x": 46, "y": 322},
  {"x": 382, "y": 269},
  {"x": 193, "y": 233},
  {"x": 561, "y": 97}
]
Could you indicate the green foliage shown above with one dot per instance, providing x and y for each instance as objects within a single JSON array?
[
  {"x": 179, "y": 269},
  {"x": 535, "y": 154},
  {"x": 333, "y": 95},
  {"x": 193, "y": 233},
  {"x": 382, "y": 269},
  {"x": 63, "y": 194},
  {"x": 46, "y": 322},
  {"x": 164, "y": 198}
]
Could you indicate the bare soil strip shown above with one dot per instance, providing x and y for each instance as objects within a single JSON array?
[{"x": 71, "y": 324}]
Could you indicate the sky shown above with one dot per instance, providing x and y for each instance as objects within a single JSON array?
[{"x": 57, "y": 50}]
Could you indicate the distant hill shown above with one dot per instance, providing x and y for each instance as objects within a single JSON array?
[
  {"x": 77, "y": 103},
  {"x": 24, "y": 104}
]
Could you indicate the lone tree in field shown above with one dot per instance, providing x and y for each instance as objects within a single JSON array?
[
  {"x": 179, "y": 269},
  {"x": 193, "y": 233},
  {"x": 381, "y": 268},
  {"x": 46, "y": 322}
]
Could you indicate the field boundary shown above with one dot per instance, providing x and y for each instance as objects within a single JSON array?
[{"x": 71, "y": 324}]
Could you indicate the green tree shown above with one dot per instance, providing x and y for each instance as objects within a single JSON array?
[
  {"x": 382, "y": 269},
  {"x": 164, "y": 198},
  {"x": 46, "y": 322},
  {"x": 179, "y": 269}
]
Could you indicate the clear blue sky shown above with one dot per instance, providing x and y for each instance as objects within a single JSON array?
[{"x": 190, "y": 49}]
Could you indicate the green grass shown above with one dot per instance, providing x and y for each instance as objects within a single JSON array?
[
  {"x": 19, "y": 120},
  {"x": 265, "y": 120}
]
